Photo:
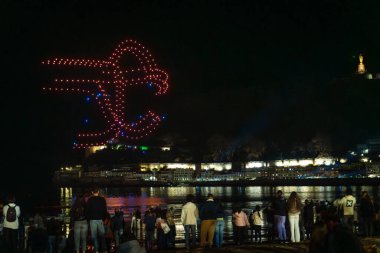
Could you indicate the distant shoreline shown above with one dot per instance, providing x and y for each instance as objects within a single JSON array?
[{"x": 257, "y": 182}]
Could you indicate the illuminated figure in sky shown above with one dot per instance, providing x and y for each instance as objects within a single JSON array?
[{"x": 109, "y": 91}]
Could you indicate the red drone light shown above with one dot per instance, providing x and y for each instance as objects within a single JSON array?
[{"x": 110, "y": 90}]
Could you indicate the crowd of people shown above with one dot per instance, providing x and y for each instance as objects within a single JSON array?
[
  {"x": 94, "y": 229},
  {"x": 285, "y": 219}
]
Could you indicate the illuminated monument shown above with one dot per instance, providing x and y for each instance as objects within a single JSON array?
[
  {"x": 362, "y": 71},
  {"x": 361, "y": 68}
]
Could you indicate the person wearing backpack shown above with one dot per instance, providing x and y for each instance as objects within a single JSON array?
[{"x": 11, "y": 212}]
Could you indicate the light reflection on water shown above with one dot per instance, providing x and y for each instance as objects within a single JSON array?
[{"x": 248, "y": 197}]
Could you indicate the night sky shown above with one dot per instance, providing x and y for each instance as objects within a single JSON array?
[{"x": 278, "y": 71}]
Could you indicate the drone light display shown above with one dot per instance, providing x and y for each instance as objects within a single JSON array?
[{"x": 110, "y": 89}]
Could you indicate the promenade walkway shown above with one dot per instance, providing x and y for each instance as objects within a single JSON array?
[{"x": 371, "y": 245}]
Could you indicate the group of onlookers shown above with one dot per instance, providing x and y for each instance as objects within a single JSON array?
[
  {"x": 204, "y": 222},
  {"x": 159, "y": 228},
  {"x": 108, "y": 234},
  {"x": 91, "y": 228},
  {"x": 337, "y": 225},
  {"x": 208, "y": 219},
  {"x": 362, "y": 216},
  {"x": 286, "y": 219}
]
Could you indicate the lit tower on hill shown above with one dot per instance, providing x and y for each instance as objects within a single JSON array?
[
  {"x": 361, "y": 67},
  {"x": 363, "y": 73}
]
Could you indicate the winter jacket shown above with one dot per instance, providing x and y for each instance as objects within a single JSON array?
[
  {"x": 257, "y": 218},
  {"x": 240, "y": 219},
  {"x": 96, "y": 208},
  {"x": 189, "y": 214},
  {"x": 279, "y": 206},
  {"x": 209, "y": 210}
]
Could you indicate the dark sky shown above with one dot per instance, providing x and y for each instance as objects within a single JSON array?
[{"x": 269, "y": 69}]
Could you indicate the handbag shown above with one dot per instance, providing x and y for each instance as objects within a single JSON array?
[{"x": 165, "y": 227}]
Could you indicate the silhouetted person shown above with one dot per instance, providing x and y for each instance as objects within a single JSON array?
[
  {"x": 38, "y": 221},
  {"x": 129, "y": 244},
  {"x": 279, "y": 208},
  {"x": 117, "y": 224},
  {"x": 150, "y": 226},
  {"x": 258, "y": 222},
  {"x": 208, "y": 215},
  {"x": 367, "y": 213},
  {"x": 189, "y": 216},
  {"x": 38, "y": 240},
  {"x": 170, "y": 220},
  {"x": 221, "y": 217},
  {"x": 162, "y": 231},
  {"x": 294, "y": 209},
  {"x": 53, "y": 228},
  {"x": 308, "y": 217},
  {"x": 329, "y": 236},
  {"x": 269, "y": 214},
  {"x": 241, "y": 224},
  {"x": 348, "y": 204},
  {"x": 96, "y": 212},
  {"x": 78, "y": 217},
  {"x": 136, "y": 222}
]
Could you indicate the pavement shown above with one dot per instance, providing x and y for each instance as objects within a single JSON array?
[{"x": 371, "y": 245}]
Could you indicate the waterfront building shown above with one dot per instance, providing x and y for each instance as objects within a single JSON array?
[
  {"x": 165, "y": 175},
  {"x": 373, "y": 170},
  {"x": 183, "y": 175},
  {"x": 207, "y": 175},
  {"x": 145, "y": 175},
  {"x": 216, "y": 166},
  {"x": 212, "y": 175},
  {"x": 69, "y": 172},
  {"x": 94, "y": 173},
  {"x": 185, "y": 172},
  {"x": 371, "y": 148},
  {"x": 160, "y": 166}
]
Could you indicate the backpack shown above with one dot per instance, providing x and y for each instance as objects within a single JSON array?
[{"x": 11, "y": 214}]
